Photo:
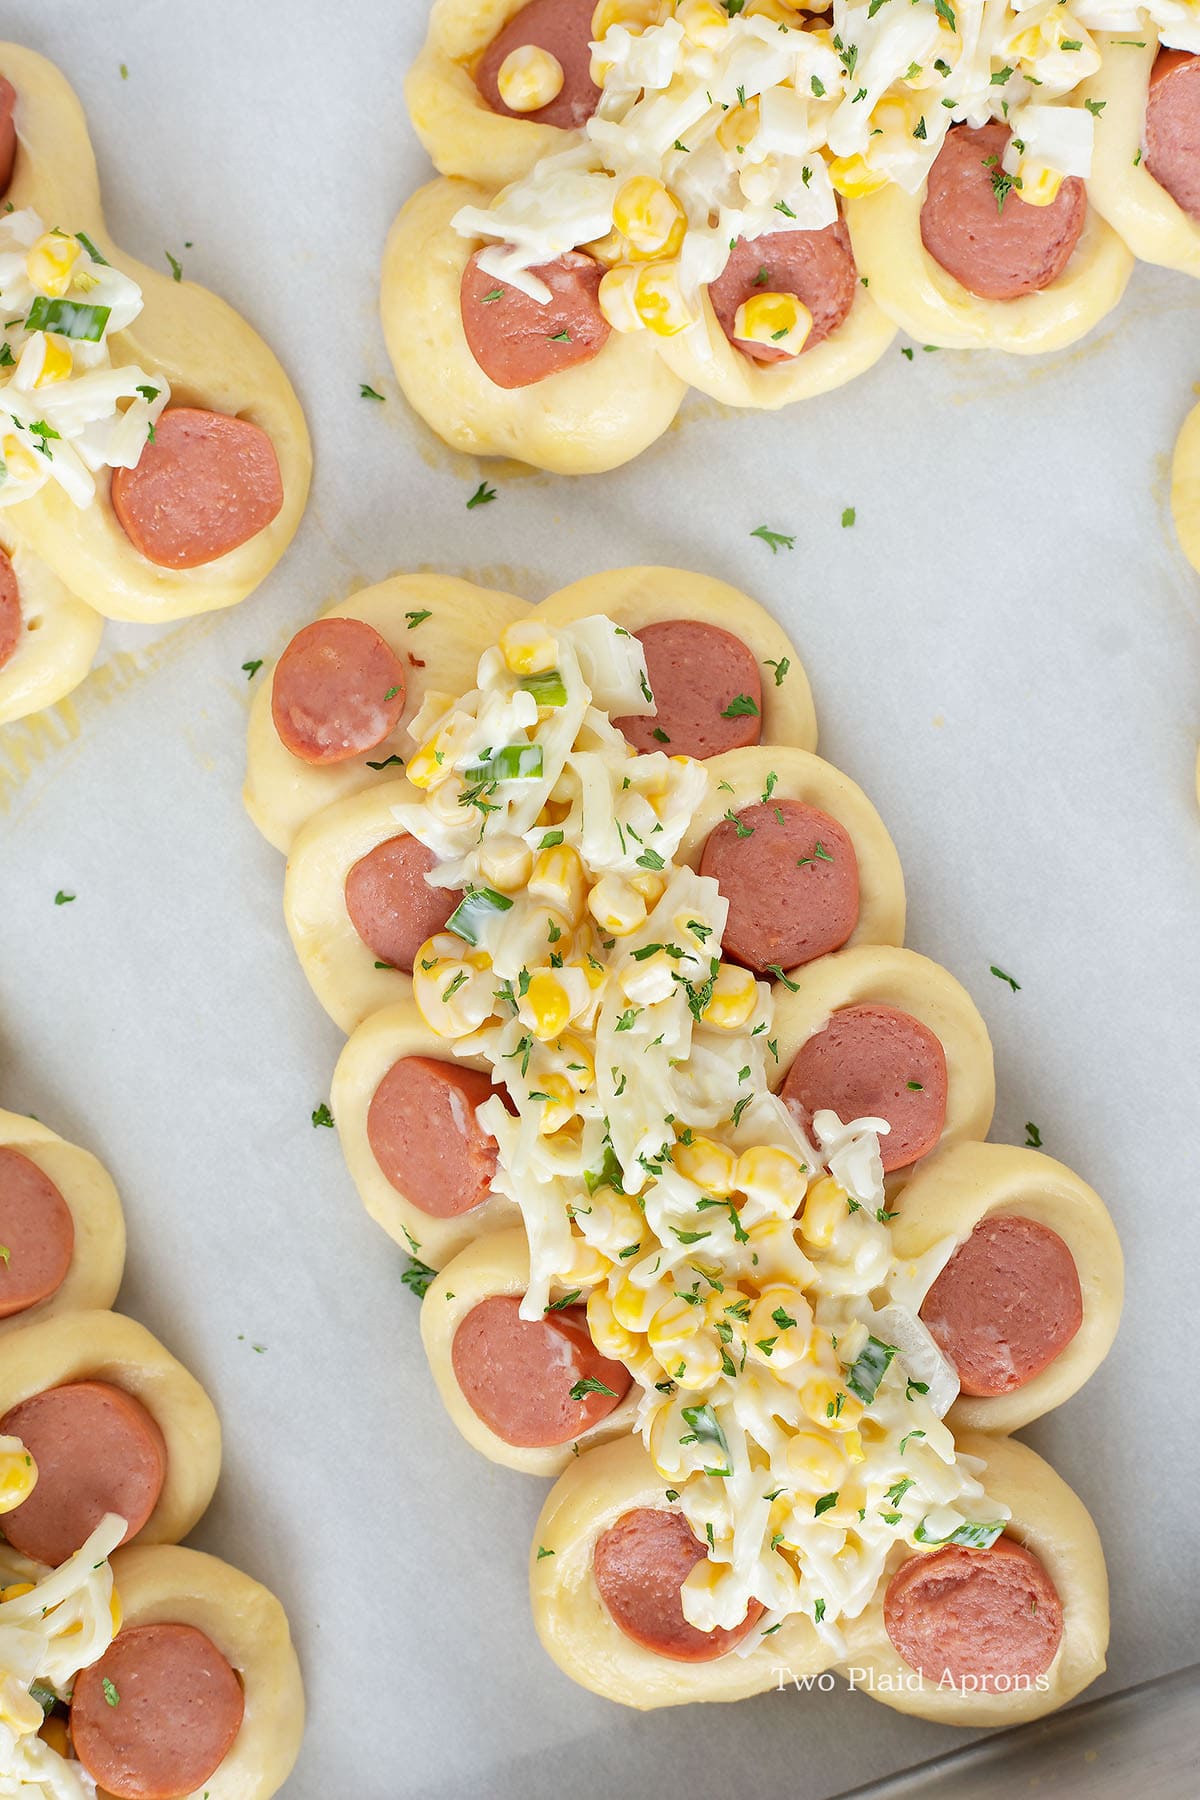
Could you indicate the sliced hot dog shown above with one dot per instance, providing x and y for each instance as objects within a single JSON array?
[
  {"x": 155, "y": 1718},
  {"x": 37, "y": 1234},
  {"x": 1006, "y": 1304},
  {"x": 10, "y": 608},
  {"x": 1173, "y": 127},
  {"x": 8, "y": 132},
  {"x": 790, "y": 876},
  {"x": 874, "y": 1062},
  {"x": 564, "y": 28},
  {"x": 517, "y": 340},
  {"x": 424, "y": 1135},
  {"x": 517, "y": 1374},
  {"x": 339, "y": 690},
  {"x": 206, "y": 484},
  {"x": 980, "y": 1615},
  {"x": 97, "y": 1451},
  {"x": 817, "y": 266},
  {"x": 640, "y": 1564},
  {"x": 392, "y": 906},
  {"x": 993, "y": 242},
  {"x": 700, "y": 676}
]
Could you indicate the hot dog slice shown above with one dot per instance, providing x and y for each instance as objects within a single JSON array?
[
  {"x": 790, "y": 876},
  {"x": 392, "y": 906},
  {"x": 97, "y": 1451},
  {"x": 206, "y": 484},
  {"x": 707, "y": 687},
  {"x": 640, "y": 1564},
  {"x": 339, "y": 690},
  {"x": 1173, "y": 127},
  {"x": 1006, "y": 1304},
  {"x": 517, "y": 340},
  {"x": 874, "y": 1062},
  {"x": 8, "y": 132},
  {"x": 817, "y": 266},
  {"x": 37, "y": 1234},
  {"x": 10, "y": 608},
  {"x": 156, "y": 1716},
  {"x": 518, "y": 1374},
  {"x": 424, "y": 1135},
  {"x": 993, "y": 242},
  {"x": 982, "y": 1615},
  {"x": 564, "y": 28}
]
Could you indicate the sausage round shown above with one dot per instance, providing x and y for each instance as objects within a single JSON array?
[
  {"x": 517, "y": 340},
  {"x": 998, "y": 249},
  {"x": 1173, "y": 127},
  {"x": 564, "y": 28},
  {"x": 392, "y": 906},
  {"x": 339, "y": 690},
  {"x": 790, "y": 876},
  {"x": 817, "y": 266},
  {"x": 205, "y": 484},
  {"x": 517, "y": 1374},
  {"x": 97, "y": 1451},
  {"x": 37, "y": 1234},
  {"x": 985, "y": 1616},
  {"x": 10, "y": 608},
  {"x": 1006, "y": 1304},
  {"x": 8, "y": 132},
  {"x": 424, "y": 1135},
  {"x": 696, "y": 672},
  {"x": 640, "y": 1564},
  {"x": 155, "y": 1718},
  {"x": 874, "y": 1061}
]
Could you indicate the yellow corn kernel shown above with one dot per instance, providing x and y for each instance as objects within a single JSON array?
[
  {"x": 558, "y": 877},
  {"x": 549, "y": 1005},
  {"x": 560, "y": 1107},
  {"x": 852, "y": 1444},
  {"x": 580, "y": 1067},
  {"x": 696, "y": 1364},
  {"x": 529, "y": 78},
  {"x": 815, "y": 1462},
  {"x": 586, "y": 1267},
  {"x": 616, "y": 906},
  {"x": 772, "y": 1177},
  {"x": 659, "y": 300},
  {"x": 610, "y": 1338},
  {"x": 1037, "y": 183},
  {"x": 734, "y": 998},
  {"x": 635, "y": 15},
  {"x": 674, "y": 1324},
  {"x": 829, "y": 1403},
  {"x": 633, "y": 1306},
  {"x": 649, "y": 218},
  {"x": 609, "y": 250},
  {"x": 50, "y": 262},
  {"x": 617, "y": 297},
  {"x": 19, "y": 460},
  {"x": 779, "y": 321},
  {"x": 709, "y": 1165},
  {"x": 739, "y": 125},
  {"x": 57, "y": 363},
  {"x": 425, "y": 769},
  {"x": 53, "y": 1731},
  {"x": 704, "y": 23},
  {"x": 505, "y": 862},
  {"x": 825, "y": 1206},
  {"x": 593, "y": 971},
  {"x": 853, "y": 178},
  {"x": 781, "y": 12},
  {"x": 773, "y": 1242},
  {"x": 14, "y": 1590},
  {"x": 528, "y": 648},
  {"x": 18, "y": 1473},
  {"x": 785, "y": 1345},
  {"x": 650, "y": 886}
]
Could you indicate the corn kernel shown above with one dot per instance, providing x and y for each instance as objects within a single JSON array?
[
  {"x": 649, "y": 218},
  {"x": 709, "y": 1165},
  {"x": 734, "y": 998},
  {"x": 828, "y": 1403},
  {"x": 778, "y": 321},
  {"x": 19, "y": 460},
  {"x": 557, "y": 876},
  {"x": 580, "y": 1065},
  {"x": 18, "y": 1473},
  {"x": 617, "y": 298},
  {"x": 610, "y": 1338},
  {"x": 1038, "y": 183},
  {"x": 616, "y": 906},
  {"x": 609, "y": 250},
  {"x": 650, "y": 886},
  {"x": 785, "y": 1344},
  {"x": 674, "y": 1324},
  {"x": 773, "y": 1242},
  {"x": 50, "y": 262},
  {"x": 14, "y": 1590},
  {"x": 825, "y": 1206},
  {"x": 428, "y": 766},
  {"x": 853, "y": 178},
  {"x": 771, "y": 1177},
  {"x": 696, "y": 1364},
  {"x": 549, "y": 1005},
  {"x": 560, "y": 1107},
  {"x": 781, "y": 12},
  {"x": 659, "y": 300},
  {"x": 57, "y": 363},
  {"x": 852, "y": 1444},
  {"x": 635, "y": 15},
  {"x": 815, "y": 1462},
  {"x": 529, "y": 78},
  {"x": 528, "y": 648},
  {"x": 505, "y": 862},
  {"x": 633, "y": 1306},
  {"x": 739, "y": 125},
  {"x": 704, "y": 23}
]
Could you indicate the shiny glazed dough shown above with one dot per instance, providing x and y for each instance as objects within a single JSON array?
[
  {"x": 1052, "y": 1521},
  {"x": 1125, "y": 192},
  {"x": 167, "y": 1585},
  {"x": 948, "y": 1197},
  {"x": 98, "y": 1260},
  {"x": 210, "y": 356},
  {"x": 106, "y": 1346},
  {"x": 587, "y": 419},
  {"x": 282, "y": 792},
  {"x": 59, "y": 636},
  {"x": 498, "y": 1264}
]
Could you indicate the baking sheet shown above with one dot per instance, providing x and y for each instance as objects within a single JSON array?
[{"x": 1005, "y": 652}]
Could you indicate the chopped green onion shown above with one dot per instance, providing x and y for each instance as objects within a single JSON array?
[
  {"x": 473, "y": 911},
  {"x": 548, "y": 689},
  {"x": 68, "y": 318},
  {"x": 81, "y": 237},
  {"x": 607, "y": 1175},
  {"x": 514, "y": 762},
  {"x": 870, "y": 1367}
]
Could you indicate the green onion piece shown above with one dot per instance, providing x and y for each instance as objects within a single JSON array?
[
  {"x": 607, "y": 1175},
  {"x": 81, "y": 237},
  {"x": 68, "y": 318},
  {"x": 975, "y": 1534},
  {"x": 548, "y": 689},
  {"x": 870, "y": 1367},
  {"x": 473, "y": 911},
  {"x": 515, "y": 762}
]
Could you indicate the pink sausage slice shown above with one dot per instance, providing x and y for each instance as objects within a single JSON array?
[
  {"x": 517, "y": 1374},
  {"x": 1173, "y": 127},
  {"x": 392, "y": 906},
  {"x": 97, "y": 1451},
  {"x": 700, "y": 675},
  {"x": 1006, "y": 1304},
  {"x": 564, "y": 28},
  {"x": 37, "y": 1234},
  {"x": 979, "y": 1615},
  {"x": 423, "y": 1133},
  {"x": 817, "y": 266},
  {"x": 874, "y": 1062},
  {"x": 518, "y": 341},
  {"x": 155, "y": 1718},
  {"x": 640, "y": 1564},
  {"x": 10, "y": 608},
  {"x": 8, "y": 132},
  {"x": 790, "y": 876},
  {"x": 206, "y": 484},
  {"x": 339, "y": 690},
  {"x": 998, "y": 249}
]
